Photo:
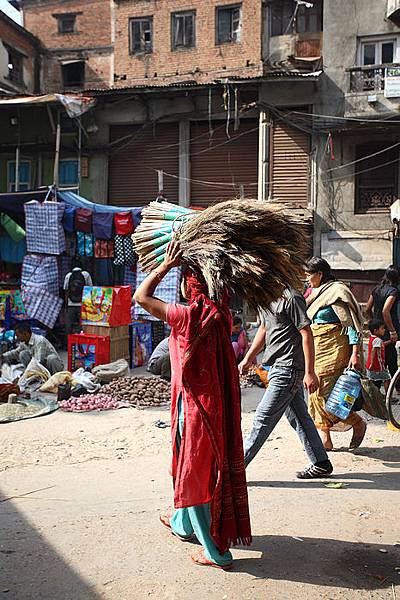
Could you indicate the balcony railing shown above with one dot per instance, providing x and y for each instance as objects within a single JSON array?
[
  {"x": 375, "y": 198},
  {"x": 369, "y": 79}
]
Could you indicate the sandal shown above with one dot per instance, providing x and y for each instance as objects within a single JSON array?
[
  {"x": 202, "y": 561},
  {"x": 357, "y": 440},
  {"x": 165, "y": 520}
]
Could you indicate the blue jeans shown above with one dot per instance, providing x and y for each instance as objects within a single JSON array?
[{"x": 285, "y": 394}]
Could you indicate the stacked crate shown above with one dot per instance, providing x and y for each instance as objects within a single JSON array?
[{"x": 118, "y": 336}]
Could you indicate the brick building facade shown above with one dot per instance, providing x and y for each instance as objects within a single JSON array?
[
  {"x": 178, "y": 40},
  {"x": 20, "y": 58},
  {"x": 78, "y": 37}
]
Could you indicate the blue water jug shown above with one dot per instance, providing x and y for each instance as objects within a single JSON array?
[{"x": 344, "y": 394}]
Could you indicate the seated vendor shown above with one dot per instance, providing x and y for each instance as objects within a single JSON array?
[
  {"x": 33, "y": 346},
  {"x": 159, "y": 362}
]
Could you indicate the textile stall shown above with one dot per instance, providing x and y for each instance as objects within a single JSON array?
[{"x": 44, "y": 235}]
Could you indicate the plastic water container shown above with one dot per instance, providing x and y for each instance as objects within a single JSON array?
[{"x": 344, "y": 394}]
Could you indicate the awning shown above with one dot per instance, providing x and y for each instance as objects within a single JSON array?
[
  {"x": 75, "y": 104},
  {"x": 393, "y": 10},
  {"x": 14, "y": 203}
]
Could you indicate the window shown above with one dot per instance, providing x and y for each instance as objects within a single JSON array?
[
  {"x": 24, "y": 176},
  {"x": 141, "y": 35},
  {"x": 287, "y": 17},
  {"x": 15, "y": 66},
  {"x": 309, "y": 20},
  {"x": 73, "y": 74},
  {"x": 68, "y": 172},
  {"x": 183, "y": 30},
  {"x": 229, "y": 24},
  {"x": 66, "y": 23},
  {"x": 377, "y": 185},
  {"x": 282, "y": 17},
  {"x": 378, "y": 51}
]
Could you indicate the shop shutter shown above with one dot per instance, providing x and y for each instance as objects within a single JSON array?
[
  {"x": 231, "y": 161},
  {"x": 133, "y": 163},
  {"x": 290, "y": 165}
]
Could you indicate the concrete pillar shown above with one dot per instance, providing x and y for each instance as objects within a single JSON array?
[
  {"x": 184, "y": 163},
  {"x": 263, "y": 156}
]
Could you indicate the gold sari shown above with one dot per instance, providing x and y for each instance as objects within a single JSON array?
[{"x": 332, "y": 350}]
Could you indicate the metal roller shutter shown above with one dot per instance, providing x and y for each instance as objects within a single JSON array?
[
  {"x": 231, "y": 161},
  {"x": 290, "y": 165},
  {"x": 133, "y": 164}
]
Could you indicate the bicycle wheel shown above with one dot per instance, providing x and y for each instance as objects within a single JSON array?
[{"x": 393, "y": 400}]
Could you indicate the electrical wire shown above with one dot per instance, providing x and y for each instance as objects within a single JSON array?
[{"x": 363, "y": 158}]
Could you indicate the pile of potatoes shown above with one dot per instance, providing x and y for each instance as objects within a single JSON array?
[{"x": 139, "y": 391}]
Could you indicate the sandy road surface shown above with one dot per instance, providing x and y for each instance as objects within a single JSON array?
[{"x": 81, "y": 495}]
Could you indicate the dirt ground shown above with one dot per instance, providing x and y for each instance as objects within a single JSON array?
[{"x": 81, "y": 495}]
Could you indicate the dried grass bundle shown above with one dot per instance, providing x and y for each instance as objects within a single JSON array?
[{"x": 249, "y": 246}]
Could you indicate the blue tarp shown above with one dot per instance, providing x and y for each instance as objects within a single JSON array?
[{"x": 14, "y": 203}]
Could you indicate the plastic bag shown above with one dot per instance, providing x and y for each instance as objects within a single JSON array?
[
  {"x": 106, "y": 373},
  {"x": 88, "y": 380},
  {"x": 34, "y": 376}
]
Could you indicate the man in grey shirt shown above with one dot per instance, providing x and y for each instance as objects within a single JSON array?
[
  {"x": 159, "y": 362},
  {"x": 289, "y": 353}
]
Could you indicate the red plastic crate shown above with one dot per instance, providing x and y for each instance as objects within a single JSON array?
[{"x": 87, "y": 351}]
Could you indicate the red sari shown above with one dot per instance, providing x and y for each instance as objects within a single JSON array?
[{"x": 210, "y": 465}]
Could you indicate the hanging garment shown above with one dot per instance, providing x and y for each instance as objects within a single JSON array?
[
  {"x": 44, "y": 230},
  {"x": 124, "y": 250},
  {"x": 83, "y": 220},
  {"x": 85, "y": 243},
  {"x": 69, "y": 219},
  {"x": 42, "y": 271},
  {"x": 104, "y": 249},
  {"x": 123, "y": 223},
  {"x": 103, "y": 225},
  {"x": 130, "y": 276},
  {"x": 11, "y": 251},
  {"x": 14, "y": 230},
  {"x": 71, "y": 245}
]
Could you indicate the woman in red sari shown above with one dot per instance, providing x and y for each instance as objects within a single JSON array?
[{"x": 210, "y": 492}]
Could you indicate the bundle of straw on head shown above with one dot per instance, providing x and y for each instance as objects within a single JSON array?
[{"x": 248, "y": 246}]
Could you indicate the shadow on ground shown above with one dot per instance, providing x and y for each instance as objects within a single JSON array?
[
  {"x": 30, "y": 568},
  {"x": 323, "y": 562}
]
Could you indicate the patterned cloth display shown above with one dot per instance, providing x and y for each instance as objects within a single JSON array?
[
  {"x": 85, "y": 243},
  {"x": 124, "y": 250},
  {"x": 41, "y": 305},
  {"x": 71, "y": 245},
  {"x": 83, "y": 220},
  {"x": 123, "y": 222},
  {"x": 69, "y": 219},
  {"x": 130, "y": 276},
  {"x": 42, "y": 271},
  {"x": 103, "y": 225},
  {"x": 44, "y": 230},
  {"x": 168, "y": 291},
  {"x": 104, "y": 249}
]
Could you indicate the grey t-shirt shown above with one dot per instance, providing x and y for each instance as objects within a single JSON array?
[
  {"x": 161, "y": 350},
  {"x": 283, "y": 320}
]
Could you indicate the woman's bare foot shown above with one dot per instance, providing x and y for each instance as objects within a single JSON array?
[{"x": 326, "y": 440}]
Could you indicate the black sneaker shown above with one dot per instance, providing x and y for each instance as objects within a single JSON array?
[{"x": 319, "y": 470}]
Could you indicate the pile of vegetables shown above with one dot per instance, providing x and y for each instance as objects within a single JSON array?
[
  {"x": 89, "y": 402},
  {"x": 139, "y": 391}
]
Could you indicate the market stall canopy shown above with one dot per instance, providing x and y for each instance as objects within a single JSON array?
[
  {"x": 14, "y": 203},
  {"x": 75, "y": 104}
]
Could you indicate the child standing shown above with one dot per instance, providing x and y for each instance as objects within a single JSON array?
[
  {"x": 239, "y": 338},
  {"x": 376, "y": 370}
]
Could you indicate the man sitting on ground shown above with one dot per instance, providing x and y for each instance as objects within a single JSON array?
[
  {"x": 159, "y": 362},
  {"x": 35, "y": 346}
]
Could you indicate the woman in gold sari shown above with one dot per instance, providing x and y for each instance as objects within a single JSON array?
[{"x": 337, "y": 324}]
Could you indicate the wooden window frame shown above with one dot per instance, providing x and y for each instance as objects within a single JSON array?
[
  {"x": 145, "y": 47},
  {"x": 234, "y": 38},
  {"x": 371, "y": 148},
  {"x": 187, "y": 44}
]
